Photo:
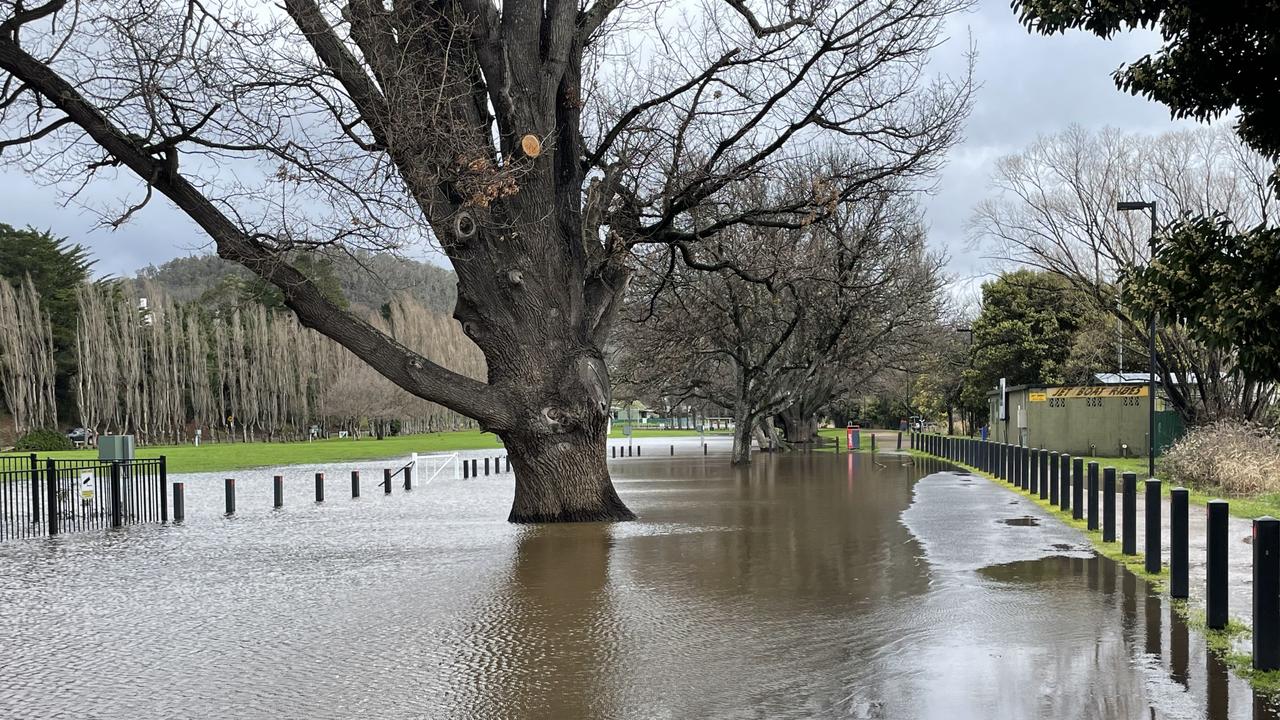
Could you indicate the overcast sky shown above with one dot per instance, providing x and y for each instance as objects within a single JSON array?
[{"x": 1031, "y": 85}]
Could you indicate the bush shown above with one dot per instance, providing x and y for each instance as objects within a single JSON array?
[
  {"x": 1235, "y": 457},
  {"x": 43, "y": 441}
]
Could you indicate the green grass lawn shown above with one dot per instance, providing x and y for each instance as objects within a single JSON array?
[{"x": 238, "y": 456}]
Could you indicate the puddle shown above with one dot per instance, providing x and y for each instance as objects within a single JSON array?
[{"x": 1024, "y": 521}]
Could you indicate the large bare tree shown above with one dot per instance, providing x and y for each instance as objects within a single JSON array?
[
  {"x": 822, "y": 309},
  {"x": 1053, "y": 207},
  {"x": 537, "y": 142}
]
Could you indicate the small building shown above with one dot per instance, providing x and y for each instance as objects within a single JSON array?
[{"x": 1108, "y": 420}]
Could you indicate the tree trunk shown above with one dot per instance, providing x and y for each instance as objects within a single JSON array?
[
  {"x": 799, "y": 427},
  {"x": 563, "y": 478},
  {"x": 743, "y": 428}
]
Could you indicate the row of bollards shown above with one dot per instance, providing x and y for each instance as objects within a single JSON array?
[
  {"x": 471, "y": 468},
  {"x": 617, "y": 451},
  {"x": 277, "y": 490},
  {"x": 1062, "y": 480}
]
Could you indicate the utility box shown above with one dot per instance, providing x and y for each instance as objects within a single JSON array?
[{"x": 115, "y": 447}]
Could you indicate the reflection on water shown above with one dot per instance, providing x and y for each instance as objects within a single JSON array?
[{"x": 808, "y": 586}]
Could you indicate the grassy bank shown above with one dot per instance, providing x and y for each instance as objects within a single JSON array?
[{"x": 239, "y": 456}]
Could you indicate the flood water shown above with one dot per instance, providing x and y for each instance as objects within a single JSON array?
[{"x": 807, "y": 586}]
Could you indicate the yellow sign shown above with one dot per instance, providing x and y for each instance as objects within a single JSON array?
[
  {"x": 1095, "y": 391},
  {"x": 1037, "y": 397}
]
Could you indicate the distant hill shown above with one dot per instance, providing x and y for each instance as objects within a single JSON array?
[{"x": 367, "y": 280}]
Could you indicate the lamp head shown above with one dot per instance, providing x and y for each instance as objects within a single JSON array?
[{"x": 1125, "y": 206}]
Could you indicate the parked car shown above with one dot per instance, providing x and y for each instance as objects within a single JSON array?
[{"x": 78, "y": 435}]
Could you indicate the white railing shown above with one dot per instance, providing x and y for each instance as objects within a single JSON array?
[{"x": 429, "y": 467}]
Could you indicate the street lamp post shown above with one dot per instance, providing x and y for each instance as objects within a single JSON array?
[{"x": 1151, "y": 342}]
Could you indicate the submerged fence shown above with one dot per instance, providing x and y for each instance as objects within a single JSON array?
[{"x": 43, "y": 497}]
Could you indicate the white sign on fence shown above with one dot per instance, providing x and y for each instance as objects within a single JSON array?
[{"x": 88, "y": 484}]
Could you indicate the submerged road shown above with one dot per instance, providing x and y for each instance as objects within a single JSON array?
[{"x": 806, "y": 586}]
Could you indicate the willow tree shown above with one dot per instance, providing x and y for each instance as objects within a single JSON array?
[{"x": 536, "y": 142}]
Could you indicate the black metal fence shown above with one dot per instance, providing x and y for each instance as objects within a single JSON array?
[{"x": 41, "y": 497}]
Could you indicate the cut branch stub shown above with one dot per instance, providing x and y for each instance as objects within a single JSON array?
[
  {"x": 464, "y": 226},
  {"x": 531, "y": 145}
]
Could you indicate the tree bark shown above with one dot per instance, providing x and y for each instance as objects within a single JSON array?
[
  {"x": 563, "y": 478},
  {"x": 743, "y": 429},
  {"x": 799, "y": 427}
]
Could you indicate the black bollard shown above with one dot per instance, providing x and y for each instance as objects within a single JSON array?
[
  {"x": 319, "y": 487},
  {"x": 1178, "y": 498},
  {"x": 630, "y": 450},
  {"x": 873, "y": 442},
  {"x": 1215, "y": 564},
  {"x": 179, "y": 501},
  {"x": 229, "y": 490},
  {"x": 1093, "y": 496},
  {"x": 506, "y": 461},
  {"x": 355, "y": 483},
  {"x": 1109, "y": 504},
  {"x": 277, "y": 487},
  {"x": 1033, "y": 468},
  {"x": 1129, "y": 511},
  {"x": 1043, "y": 474},
  {"x": 486, "y": 466},
  {"x": 704, "y": 448},
  {"x": 1077, "y": 488},
  {"x": 899, "y": 440},
  {"x": 474, "y": 473},
  {"x": 1266, "y": 593},
  {"x": 386, "y": 481},
  {"x": 1152, "y": 549},
  {"x": 466, "y": 470},
  {"x": 673, "y": 449},
  {"x": 613, "y": 451},
  {"x": 1053, "y": 479},
  {"x": 638, "y": 449},
  {"x": 1024, "y": 471},
  {"x": 1064, "y": 482},
  {"x": 408, "y": 478}
]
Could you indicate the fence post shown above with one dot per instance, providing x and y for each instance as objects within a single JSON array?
[
  {"x": 277, "y": 492},
  {"x": 179, "y": 502},
  {"x": 1077, "y": 488},
  {"x": 1266, "y": 593},
  {"x": 1093, "y": 496},
  {"x": 355, "y": 483},
  {"x": 1153, "y": 527},
  {"x": 1109, "y": 504},
  {"x": 34, "y": 472},
  {"x": 1064, "y": 482},
  {"x": 1129, "y": 508},
  {"x": 117, "y": 518},
  {"x": 319, "y": 487},
  {"x": 51, "y": 494},
  {"x": 229, "y": 494},
  {"x": 1044, "y": 474},
  {"x": 1215, "y": 564},
  {"x": 164, "y": 489},
  {"x": 1178, "y": 542},
  {"x": 1053, "y": 479}
]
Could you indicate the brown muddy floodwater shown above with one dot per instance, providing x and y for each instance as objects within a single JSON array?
[{"x": 808, "y": 586}]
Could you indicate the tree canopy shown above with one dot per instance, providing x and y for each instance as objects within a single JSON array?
[
  {"x": 1220, "y": 284},
  {"x": 1217, "y": 56}
]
